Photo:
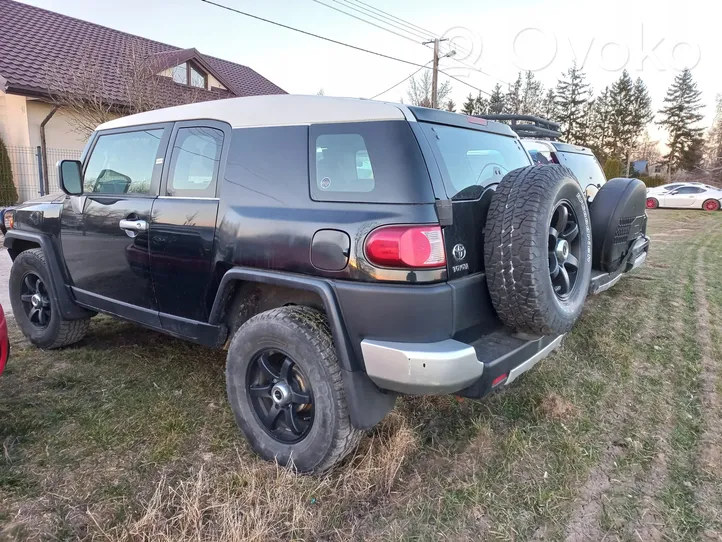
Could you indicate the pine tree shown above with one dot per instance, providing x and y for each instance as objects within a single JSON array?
[
  {"x": 549, "y": 109},
  {"x": 451, "y": 105},
  {"x": 8, "y": 193},
  {"x": 496, "y": 101},
  {"x": 693, "y": 156},
  {"x": 680, "y": 116},
  {"x": 572, "y": 94},
  {"x": 532, "y": 95},
  {"x": 469, "y": 105},
  {"x": 620, "y": 104},
  {"x": 713, "y": 150},
  {"x": 512, "y": 101},
  {"x": 481, "y": 105},
  {"x": 600, "y": 126}
]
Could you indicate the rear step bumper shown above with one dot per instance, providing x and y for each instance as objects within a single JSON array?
[
  {"x": 451, "y": 366},
  {"x": 636, "y": 256}
]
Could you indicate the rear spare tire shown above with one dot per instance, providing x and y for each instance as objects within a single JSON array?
[{"x": 538, "y": 249}]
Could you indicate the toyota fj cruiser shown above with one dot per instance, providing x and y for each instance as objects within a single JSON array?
[{"x": 344, "y": 251}]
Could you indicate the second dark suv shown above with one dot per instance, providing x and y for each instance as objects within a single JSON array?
[{"x": 343, "y": 251}]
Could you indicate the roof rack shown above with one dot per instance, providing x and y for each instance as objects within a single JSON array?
[{"x": 528, "y": 125}]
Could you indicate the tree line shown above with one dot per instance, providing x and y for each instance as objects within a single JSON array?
[{"x": 614, "y": 123}]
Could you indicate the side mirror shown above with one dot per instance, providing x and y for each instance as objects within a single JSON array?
[{"x": 70, "y": 177}]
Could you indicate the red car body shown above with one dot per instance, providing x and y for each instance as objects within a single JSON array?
[{"x": 4, "y": 341}]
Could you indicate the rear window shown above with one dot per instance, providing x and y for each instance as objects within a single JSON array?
[
  {"x": 584, "y": 166},
  {"x": 370, "y": 162},
  {"x": 472, "y": 160}
]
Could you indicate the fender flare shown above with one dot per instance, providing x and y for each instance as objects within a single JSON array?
[
  {"x": 367, "y": 404},
  {"x": 62, "y": 296}
]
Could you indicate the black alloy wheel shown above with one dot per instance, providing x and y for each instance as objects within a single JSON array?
[
  {"x": 564, "y": 249},
  {"x": 281, "y": 396},
  {"x": 36, "y": 300}
]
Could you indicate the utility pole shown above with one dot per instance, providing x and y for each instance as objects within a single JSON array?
[{"x": 435, "y": 73}]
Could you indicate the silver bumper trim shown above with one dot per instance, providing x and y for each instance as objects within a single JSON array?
[
  {"x": 421, "y": 368},
  {"x": 536, "y": 358}
]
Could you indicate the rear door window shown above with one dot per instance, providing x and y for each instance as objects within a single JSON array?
[
  {"x": 584, "y": 166},
  {"x": 472, "y": 160},
  {"x": 370, "y": 162}
]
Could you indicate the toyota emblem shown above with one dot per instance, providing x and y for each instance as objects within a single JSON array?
[{"x": 459, "y": 252}]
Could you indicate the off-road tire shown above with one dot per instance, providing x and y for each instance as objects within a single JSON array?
[
  {"x": 59, "y": 332},
  {"x": 302, "y": 333},
  {"x": 516, "y": 258},
  {"x": 708, "y": 207},
  {"x": 652, "y": 203}
]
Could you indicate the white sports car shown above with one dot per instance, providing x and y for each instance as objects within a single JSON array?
[
  {"x": 669, "y": 187},
  {"x": 692, "y": 196}
]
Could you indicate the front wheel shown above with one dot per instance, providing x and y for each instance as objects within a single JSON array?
[
  {"x": 652, "y": 203},
  {"x": 34, "y": 306},
  {"x": 286, "y": 390},
  {"x": 711, "y": 205}
]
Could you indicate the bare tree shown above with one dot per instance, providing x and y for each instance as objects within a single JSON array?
[
  {"x": 99, "y": 88},
  {"x": 419, "y": 91}
]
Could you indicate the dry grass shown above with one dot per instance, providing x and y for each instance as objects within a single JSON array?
[{"x": 267, "y": 502}]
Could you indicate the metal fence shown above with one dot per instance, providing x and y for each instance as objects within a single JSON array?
[{"x": 27, "y": 164}]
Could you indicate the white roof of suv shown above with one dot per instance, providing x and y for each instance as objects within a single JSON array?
[{"x": 273, "y": 110}]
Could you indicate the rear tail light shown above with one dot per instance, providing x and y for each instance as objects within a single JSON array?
[{"x": 406, "y": 246}]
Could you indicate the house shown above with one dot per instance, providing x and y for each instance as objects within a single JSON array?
[{"x": 61, "y": 76}]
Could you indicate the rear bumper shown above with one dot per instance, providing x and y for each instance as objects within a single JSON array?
[{"x": 451, "y": 366}]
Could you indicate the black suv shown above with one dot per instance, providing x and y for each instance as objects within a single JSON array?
[{"x": 344, "y": 252}]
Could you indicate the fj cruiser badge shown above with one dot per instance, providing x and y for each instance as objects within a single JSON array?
[{"x": 459, "y": 252}]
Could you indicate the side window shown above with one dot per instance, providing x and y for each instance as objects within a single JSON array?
[
  {"x": 123, "y": 163},
  {"x": 194, "y": 162},
  {"x": 689, "y": 190},
  {"x": 343, "y": 164}
]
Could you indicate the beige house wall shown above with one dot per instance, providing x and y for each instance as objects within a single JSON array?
[
  {"x": 14, "y": 120},
  {"x": 59, "y": 131}
]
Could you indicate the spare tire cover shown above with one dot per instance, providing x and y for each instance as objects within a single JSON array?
[
  {"x": 538, "y": 249},
  {"x": 618, "y": 218}
]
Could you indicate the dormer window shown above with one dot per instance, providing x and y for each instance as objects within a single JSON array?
[{"x": 190, "y": 74}]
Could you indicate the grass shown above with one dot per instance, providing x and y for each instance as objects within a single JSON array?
[{"x": 128, "y": 436}]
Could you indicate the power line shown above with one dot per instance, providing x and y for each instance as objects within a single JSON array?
[
  {"x": 452, "y": 45},
  {"x": 365, "y": 21},
  {"x": 402, "y": 21},
  {"x": 344, "y": 3},
  {"x": 355, "y": 47},
  {"x": 397, "y": 84}
]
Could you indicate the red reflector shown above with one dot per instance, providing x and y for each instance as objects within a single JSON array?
[
  {"x": 477, "y": 120},
  {"x": 406, "y": 246},
  {"x": 499, "y": 379}
]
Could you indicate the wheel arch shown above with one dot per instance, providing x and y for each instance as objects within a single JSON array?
[
  {"x": 18, "y": 242},
  {"x": 367, "y": 403}
]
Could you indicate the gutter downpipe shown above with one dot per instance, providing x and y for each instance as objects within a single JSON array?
[{"x": 43, "y": 148}]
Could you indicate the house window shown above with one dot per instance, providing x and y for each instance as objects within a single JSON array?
[
  {"x": 198, "y": 78},
  {"x": 180, "y": 74},
  {"x": 188, "y": 74}
]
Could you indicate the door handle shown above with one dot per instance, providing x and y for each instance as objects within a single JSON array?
[{"x": 134, "y": 225}]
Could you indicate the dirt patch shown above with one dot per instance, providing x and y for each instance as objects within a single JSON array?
[{"x": 557, "y": 408}]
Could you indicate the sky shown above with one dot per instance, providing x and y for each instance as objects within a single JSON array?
[{"x": 493, "y": 40}]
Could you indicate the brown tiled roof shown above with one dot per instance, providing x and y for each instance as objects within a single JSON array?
[{"x": 42, "y": 51}]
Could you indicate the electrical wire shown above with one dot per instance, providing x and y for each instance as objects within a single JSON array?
[
  {"x": 355, "y": 47},
  {"x": 367, "y": 12},
  {"x": 365, "y": 21},
  {"x": 287, "y": 27},
  {"x": 387, "y": 18},
  {"x": 397, "y": 84}
]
